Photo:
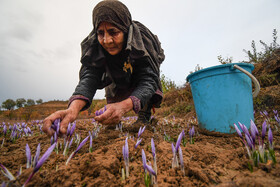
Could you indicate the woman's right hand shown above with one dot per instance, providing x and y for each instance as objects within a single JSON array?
[{"x": 66, "y": 116}]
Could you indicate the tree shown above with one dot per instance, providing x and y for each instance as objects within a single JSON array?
[
  {"x": 20, "y": 102},
  {"x": 39, "y": 101},
  {"x": 9, "y": 104},
  {"x": 30, "y": 102}
]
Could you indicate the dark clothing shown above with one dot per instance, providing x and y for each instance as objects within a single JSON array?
[{"x": 133, "y": 73}]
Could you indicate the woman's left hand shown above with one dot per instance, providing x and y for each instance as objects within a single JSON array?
[{"x": 114, "y": 112}]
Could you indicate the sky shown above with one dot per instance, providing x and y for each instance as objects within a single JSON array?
[{"x": 40, "y": 40}]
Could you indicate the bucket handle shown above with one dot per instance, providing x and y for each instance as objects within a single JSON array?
[{"x": 255, "y": 81}]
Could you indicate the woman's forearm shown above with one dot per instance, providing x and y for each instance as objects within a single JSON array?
[{"x": 77, "y": 105}]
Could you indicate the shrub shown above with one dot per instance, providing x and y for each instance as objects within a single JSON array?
[{"x": 258, "y": 57}]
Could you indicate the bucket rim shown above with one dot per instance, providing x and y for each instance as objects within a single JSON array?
[{"x": 218, "y": 67}]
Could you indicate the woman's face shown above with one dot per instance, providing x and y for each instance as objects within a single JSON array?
[{"x": 110, "y": 38}]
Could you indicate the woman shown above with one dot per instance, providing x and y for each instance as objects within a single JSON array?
[{"x": 122, "y": 56}]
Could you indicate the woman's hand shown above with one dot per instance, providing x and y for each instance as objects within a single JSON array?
[
  {"x": 67, "y": 116},
  {"x": 114, "y": 112}
]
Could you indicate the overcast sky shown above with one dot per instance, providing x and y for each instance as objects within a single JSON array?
[{"x": 40, "y": 39}]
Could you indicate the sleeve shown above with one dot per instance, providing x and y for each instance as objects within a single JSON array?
[
  {"x": 90, "y": 79},
  {"x": 146, "y": 81}
]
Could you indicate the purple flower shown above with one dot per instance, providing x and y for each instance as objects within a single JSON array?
[
  {"x": 265, "y": 113},
  {"x": 7, "y": 173},
  {"x": 181, "y": 159},
  {"x": 82, "y": 144},
  {"x": 71, "y": 141},
  {"x": 29, "y": 130},
  {"x": 55, "y": 137},
  {"x": 57, "y": 128},
  {"x": 275, "y": 112},
  {"x": 141, "y": 130},
  {"x": 153, "y": 148},
  {"x": 137, "y": 143},
  {"x": 144, "y": 159},
  {"x": 270, "y": 138},
  {"x": 173, "y": 149},
  {"x": 245, "y": 130},
  {"x": 126, "y": 149},
  {"x": 238, "y": 131},
  {"x": 241, "y": 126},
  {"x": 150, "y": 169},
  {"x": 68, "y": 129},
  {"x": 249, "y": 141},
  {"x": 179, "y": 141},
  {"x": 277, "y": 118},
  {"x": 44, "y": 158},
  {"x": 28, "y": 156},
  {"x": 36, "y": 157},
  {"x": 99, "y": 112},
  {"x": 5, "y": 130},
  {"x": 254, "y": 128},
  {"x": 41, "y": 162},
  {"x": 264, "y": 126}
]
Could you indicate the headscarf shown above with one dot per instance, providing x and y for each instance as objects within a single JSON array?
[{"x": 141, "y": 42}]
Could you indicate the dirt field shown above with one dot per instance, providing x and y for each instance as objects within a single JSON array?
[{"x": 213, "y": 159}]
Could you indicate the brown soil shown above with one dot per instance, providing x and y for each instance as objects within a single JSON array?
[{"x": 218, "y": 159}]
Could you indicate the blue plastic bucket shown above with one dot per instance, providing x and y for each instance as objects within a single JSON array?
[{"x": 222, "y": 96}]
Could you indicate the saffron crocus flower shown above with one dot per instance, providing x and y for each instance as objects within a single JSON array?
[
  {"x": 138, "y": 142},
  {"x": 5, "y": 130},
  {"x": 191, "y": 133},
  {"x": 179, "y": 141},
  {"x": 264, "y": 126},
  {"x": 181, "y": 160},
  {"x": 55, "y": 125},
  {"x": 70, "y": 143},
  {"x": 100, "y": 112},
  {"x": 148, "y": 168},
  {"x": 7, "y": 173},
  {"x": 174, "y": 159},
  {"x": 154, "y": 154},
  {"x": 245, "y": 130},
  {"x": 41, "y": 162},
  {"x": 141, "y": 130},
  {"x": 28, "y": 156},
  {"x": 249, "y": 141},
  {"x": 271, "y": 150},
  {"x": 72, "y": 130},
  {"x": 79, "y": 147},
  {"x": 238, "y": 131},
  {"x": 153, "y": 148},
  {"x": 144, "y": 159},
  {"x": 270, "y": 138},
  {"x": 36, "y": 157},
  {"x": 68, "y": 129},
  {"x": 126, "y": 157}
]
